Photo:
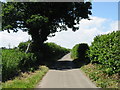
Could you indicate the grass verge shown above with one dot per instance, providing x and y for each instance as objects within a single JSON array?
[
  {"x": 96, "y": 74},
  {"x": 26, "y": 80}
]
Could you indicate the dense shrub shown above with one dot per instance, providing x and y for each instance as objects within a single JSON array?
[
  {"x": 49, "y": 51},
  {"x": 52, "y": 51},
  {"x": 79, "y": 51},
  {"x": 23, "y": 45},
  {"x": 28, "y": 60},
  {"x": 75, "y": 52},
  {"x": 105, "y": 50},
  {"x": 14, "y": 61}
]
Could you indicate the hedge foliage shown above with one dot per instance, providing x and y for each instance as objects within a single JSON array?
[
  {"x": 49, "y": 51},
  {"x": 23, "y": 45},
  {"x": 105, "y": 50},
  {"x": 14, "y": 61},
  {"x": 74, "y": 52},
  {"x": 79, "y": 51},
  {"x": 52, "y": 51}
]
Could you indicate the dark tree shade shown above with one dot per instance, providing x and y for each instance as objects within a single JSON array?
[{"x": 42, "y": 19}]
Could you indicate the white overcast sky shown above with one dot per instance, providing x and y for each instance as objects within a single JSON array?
[{"x": 87, "y": 31}]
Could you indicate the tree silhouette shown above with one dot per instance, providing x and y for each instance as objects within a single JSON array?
[{"x": 42, "y": 19}]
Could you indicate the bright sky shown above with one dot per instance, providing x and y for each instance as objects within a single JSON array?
[{"x": 104, "y": 20}]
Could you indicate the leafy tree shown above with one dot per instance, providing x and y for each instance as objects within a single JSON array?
[{"x": 43, "y": 19}]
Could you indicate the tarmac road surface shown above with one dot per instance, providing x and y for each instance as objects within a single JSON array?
[{"x": 65, "y": 75}]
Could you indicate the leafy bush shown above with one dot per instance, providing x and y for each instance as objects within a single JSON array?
[
  {"x": 14, "y": 61},
  {"x": 79, "y": 51},
  {"x": 28, "y": 60},
  {"x": 52, "y": 51},
  {"x": 105, "y": 50},
  {"x": 75, "y": 52},
  {"x": 23, "y": 45},
  {"x": 10, "y": 63}
]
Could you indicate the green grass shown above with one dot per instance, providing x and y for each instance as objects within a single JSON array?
[
  {"x": 26, "y": 80},
  {"x": 97, "y": 75}
]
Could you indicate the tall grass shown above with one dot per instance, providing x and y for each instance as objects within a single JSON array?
[{"x": 26, "y": 80}]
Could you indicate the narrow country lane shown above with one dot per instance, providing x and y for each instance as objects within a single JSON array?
[{"x": 65, "y": 75}]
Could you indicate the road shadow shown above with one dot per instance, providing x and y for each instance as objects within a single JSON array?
[{"x": 66, "y": 65}]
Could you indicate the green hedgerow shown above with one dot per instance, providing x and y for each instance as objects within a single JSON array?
[{"x": 105, "y": 50}]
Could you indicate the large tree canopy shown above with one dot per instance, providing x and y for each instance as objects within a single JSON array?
[{"x": 42, "y": 19}]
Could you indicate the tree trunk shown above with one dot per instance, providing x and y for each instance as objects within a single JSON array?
[{"x": 38, "y": 37}]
